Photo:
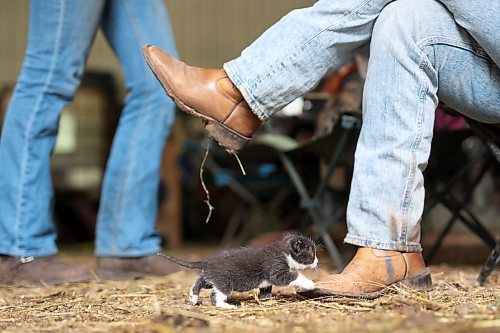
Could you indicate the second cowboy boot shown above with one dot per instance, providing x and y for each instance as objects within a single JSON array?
[
  {"x": 40, "y": 271},
  {"x": 208, "y": 94},
  {"x": 370, "y": 274},
  {"x": 117, "y": 268}
]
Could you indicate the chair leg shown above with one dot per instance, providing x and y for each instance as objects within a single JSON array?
[
  {"x": 327, "y": 239},
  {"x": 470, "y": 221},
  {"x": 493, "y": 260},
  {"x": 440, "y": 239},
  {"x": 437, "y": 196}
]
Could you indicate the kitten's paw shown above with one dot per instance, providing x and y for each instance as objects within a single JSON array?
[
  {"x": 303, "y": 282},
  {"x": 308, "y": 285},
  {"x": 225, "y": 305},
  {"x": 193, "y": 299}
]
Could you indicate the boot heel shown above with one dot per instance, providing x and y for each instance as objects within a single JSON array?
[
  {"x": 230, "y": 140},
  {"x": 421, "y": 281}
]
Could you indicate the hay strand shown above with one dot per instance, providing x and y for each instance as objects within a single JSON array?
[{"x": 207, "y": 193}]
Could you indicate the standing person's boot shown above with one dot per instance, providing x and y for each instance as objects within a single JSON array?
[
  {"x": 208, "y": 94},
  {"x": 113, "y": 268},
  {"x": 370, "y": 274},
  {"x": 36, "y": 271}
]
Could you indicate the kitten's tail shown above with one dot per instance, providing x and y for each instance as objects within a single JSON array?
[{"x": 181, "y": 262}]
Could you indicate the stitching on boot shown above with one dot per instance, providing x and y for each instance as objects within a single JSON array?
[
  {"x": 224, "y": 92},
  {"x": 406, "y": 266}
]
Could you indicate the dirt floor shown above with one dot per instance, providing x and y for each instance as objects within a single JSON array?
[{"x": 456, "y": 304}]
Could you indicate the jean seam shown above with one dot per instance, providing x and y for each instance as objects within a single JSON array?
[
  {"x": 116, "y": 222},
  {"x": 436, "y": 40},
  {"x": 407, "y": 197},
  {"x": 136, "y": 252},
  {"x": 29, "y": 128}
]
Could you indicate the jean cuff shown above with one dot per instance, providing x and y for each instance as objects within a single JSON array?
[
  {"x": 383, "y": 245},
  {"x": 127, "y": 253},
  {"x": 253, "y": 103},
  {"x": 16, "y": 252}
]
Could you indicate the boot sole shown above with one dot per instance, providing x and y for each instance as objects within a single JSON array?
[
  {"x": 226, "y": 137},
  {"x": 42, "y": 283},
  {"x": 113, "y": 274},
  {"x": 421, "y": 281}
]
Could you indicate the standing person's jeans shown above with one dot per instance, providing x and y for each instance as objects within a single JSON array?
[
  {"x": 60, "y": 36},
  {"x": 419, "y": 54}
]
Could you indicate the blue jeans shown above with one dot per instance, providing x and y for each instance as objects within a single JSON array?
[
  {"x": 420, "y": 53},
  {"x": 60, "y": 36}
]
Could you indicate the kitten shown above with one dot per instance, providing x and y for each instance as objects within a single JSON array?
[{"x": 244, "y": 269}]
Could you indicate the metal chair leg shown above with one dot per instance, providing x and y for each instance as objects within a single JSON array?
[{"x": 493, "y": 260}]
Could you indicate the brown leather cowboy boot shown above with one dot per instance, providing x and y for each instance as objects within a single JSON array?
[
  {"x": 36, "y": 271},
  {"x": 208, "y": 94},
  {"x": 109, "y": 268},
  {"x": 371, "y": 272}
]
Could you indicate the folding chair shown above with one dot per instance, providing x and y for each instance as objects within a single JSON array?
[
  {"x": 334, "y": 146},
  {"x": 458, "y": 207}
]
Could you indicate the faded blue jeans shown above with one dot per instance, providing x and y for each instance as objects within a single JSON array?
[
  {"x": 60, "y": 36},
  {"x": 422, "y": 52}
]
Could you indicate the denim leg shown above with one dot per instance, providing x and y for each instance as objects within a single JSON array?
[
  {"x": 129, "y": 196},
  {"x": 481, "y": 20},
  {"x": 60, "y": 35},
  {"x": 416, "y": 48},
  {"x": 292, "y": 56}
]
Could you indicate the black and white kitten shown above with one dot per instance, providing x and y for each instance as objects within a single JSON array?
[{"x": 244, "y": 269}]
